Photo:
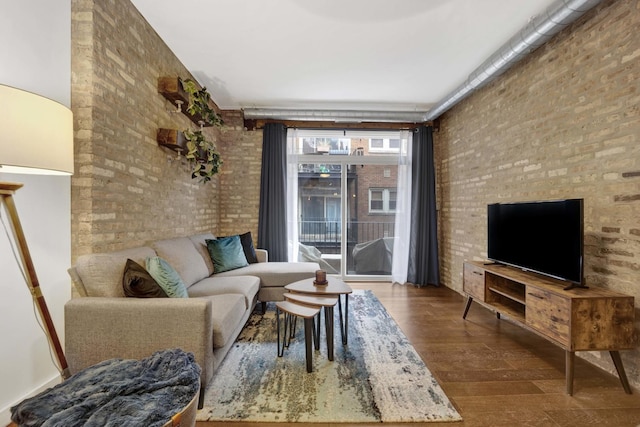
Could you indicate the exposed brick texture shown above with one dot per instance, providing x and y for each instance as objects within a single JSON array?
[
  {"x": 127, "y": 190},
  {"x": 239, "y": 195},
  {"x": 564, "y": 123}
]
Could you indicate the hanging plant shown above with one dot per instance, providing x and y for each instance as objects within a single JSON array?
[
  {"x": 202, "y": 155},
  {"x": 199, "y": 103}
]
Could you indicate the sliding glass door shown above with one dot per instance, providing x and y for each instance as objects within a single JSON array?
[{"x": 342, "y": 194}]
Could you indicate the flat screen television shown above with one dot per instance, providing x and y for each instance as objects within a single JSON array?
[{"x": 545, "y": 237}]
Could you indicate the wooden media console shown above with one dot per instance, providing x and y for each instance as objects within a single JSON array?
[{"x": 578, "y": 319}]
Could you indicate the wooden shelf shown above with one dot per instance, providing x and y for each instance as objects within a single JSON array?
[
  {"x": 508, "y": 294},
  {"x": 171, "y": 89},
  {"x": 515, "y": 312},
  {"x": 173, "y": 139}
]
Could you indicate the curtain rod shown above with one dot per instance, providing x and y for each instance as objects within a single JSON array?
[{"x": 251, "y": 124}]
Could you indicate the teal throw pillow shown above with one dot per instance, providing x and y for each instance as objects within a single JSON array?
[
  {"x": 226, "y": 253},
  {"x": 247, "y": 246},
  {"x": 166, "y": 277}
]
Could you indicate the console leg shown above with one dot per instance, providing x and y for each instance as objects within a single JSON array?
[
  {"x": 617, "y": 361},
  {"x": 569, "y": 362},
  {"x": 466, "y": 307}
]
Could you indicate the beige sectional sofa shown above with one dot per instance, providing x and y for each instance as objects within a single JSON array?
[{"x": 102, "y": 323}]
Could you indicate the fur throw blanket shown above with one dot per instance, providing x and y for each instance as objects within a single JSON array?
[{"x": 116, "y": 392}]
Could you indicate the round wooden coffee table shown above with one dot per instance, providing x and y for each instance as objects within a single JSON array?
[{"x": 335, "y": 287}]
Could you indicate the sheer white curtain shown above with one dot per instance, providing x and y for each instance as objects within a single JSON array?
[
  {"x": 292, "y": 195},
  {"x": 400, "y": 264}
]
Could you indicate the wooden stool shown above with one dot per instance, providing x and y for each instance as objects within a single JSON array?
[
  {"x": 293, "y": 311},
  {"x": 328, "y": 302}
]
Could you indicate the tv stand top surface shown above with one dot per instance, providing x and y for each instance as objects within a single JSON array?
[{"x": 540, "y": 281}]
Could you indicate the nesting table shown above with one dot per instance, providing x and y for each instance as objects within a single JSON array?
[
  {"x": 291, "y": 312},
  {"x": 300, "y": 293},
  {"x": 317, "y": 302}
]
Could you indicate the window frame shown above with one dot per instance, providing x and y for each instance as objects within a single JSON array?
[
  {"x": 386, "y": 145},
  {"x": 386, "y": 199}
]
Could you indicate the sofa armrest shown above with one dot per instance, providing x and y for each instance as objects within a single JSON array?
[
  {"x": 77, "y": 281},
  {"x": 262, "y": 255},
  {"x": 100, "y": 328}
]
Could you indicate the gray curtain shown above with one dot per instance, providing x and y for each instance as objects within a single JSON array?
[
  {"x": 272, "y": 220},
  {"x": 423, "y": 245}
]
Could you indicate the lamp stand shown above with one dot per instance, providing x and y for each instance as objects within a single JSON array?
[{"x": 7, "y": 189}]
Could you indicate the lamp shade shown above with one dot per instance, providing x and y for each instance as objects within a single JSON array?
[{"x": 36, "y": 134}]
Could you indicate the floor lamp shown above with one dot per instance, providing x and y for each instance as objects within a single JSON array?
[{"x": 36, "y": 138}]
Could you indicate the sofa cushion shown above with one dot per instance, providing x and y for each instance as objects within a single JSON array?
[
  {"x": 183, "y": 256},
  {"x": 248, "y": 286},
  {"x": 168, "y": 278},
  {"x": 226, "y": 312},
  {"x": 138, "y": 283},
  {"x": 276, "y": 273},
  {"x": 247, "y": 246},
  {"x": 226, "y": 253},
  {"x": 101, "y": 274},
  {"x": 199, "y": 241}
]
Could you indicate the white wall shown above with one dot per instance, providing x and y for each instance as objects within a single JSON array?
[{"x": 35, "y": 55}]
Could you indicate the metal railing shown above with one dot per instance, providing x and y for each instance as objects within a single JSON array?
[
  {"x": 325, "y": 232},
  {"x": 325, "y": 235}
]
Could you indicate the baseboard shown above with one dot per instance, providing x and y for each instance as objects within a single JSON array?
[{"x": 5, "y": 413}]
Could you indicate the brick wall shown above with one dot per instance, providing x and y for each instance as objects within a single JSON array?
[
  {"x": 239, "y": 194},
  {"x": 126, "y": 189},
  {"x": 373, "y": 176},
  {"x": 565, "y": 123}
]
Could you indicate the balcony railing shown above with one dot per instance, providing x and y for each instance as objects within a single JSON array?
[{"x": 325, "y": 235}]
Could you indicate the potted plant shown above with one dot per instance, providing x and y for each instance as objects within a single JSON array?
[
  {"x": 202, "y": 155},
  {"x": 199, "y": 103}
]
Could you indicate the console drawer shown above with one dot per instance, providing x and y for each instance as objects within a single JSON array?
[
  {"x": 549, "y": 314},
  {"x": 473, "y": 281}
]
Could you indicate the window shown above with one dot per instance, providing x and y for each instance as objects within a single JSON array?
[
  {"x": 376, "y": 202},
  {"x": 342, "y": 195},
  {"x": 384, "y": 145},
  {"x": 382, "y": 200},
  {"x": 326, "y": 145}
]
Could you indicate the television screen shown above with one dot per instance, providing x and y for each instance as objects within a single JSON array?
[{"x": 544, "y": 237}]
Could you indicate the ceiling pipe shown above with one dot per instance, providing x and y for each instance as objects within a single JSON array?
[
  {"x": 340, "y": 116},
  {"x": 536, "y": 33}
]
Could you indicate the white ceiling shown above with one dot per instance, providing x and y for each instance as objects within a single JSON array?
[{"x": 384, "y": 55}]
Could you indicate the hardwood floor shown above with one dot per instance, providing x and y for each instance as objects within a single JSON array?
[{"x": 494, "y": 372}]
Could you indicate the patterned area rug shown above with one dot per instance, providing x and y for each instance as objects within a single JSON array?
[{"x": 377, "y": 377}]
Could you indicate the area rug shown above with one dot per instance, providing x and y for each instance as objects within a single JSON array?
[{"x": 377, "y": 377}]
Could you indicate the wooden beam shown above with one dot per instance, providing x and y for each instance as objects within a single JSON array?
[{"x": 310, "y": 124}]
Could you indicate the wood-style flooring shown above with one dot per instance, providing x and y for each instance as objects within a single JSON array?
[{"x": 494, "y": 372}]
